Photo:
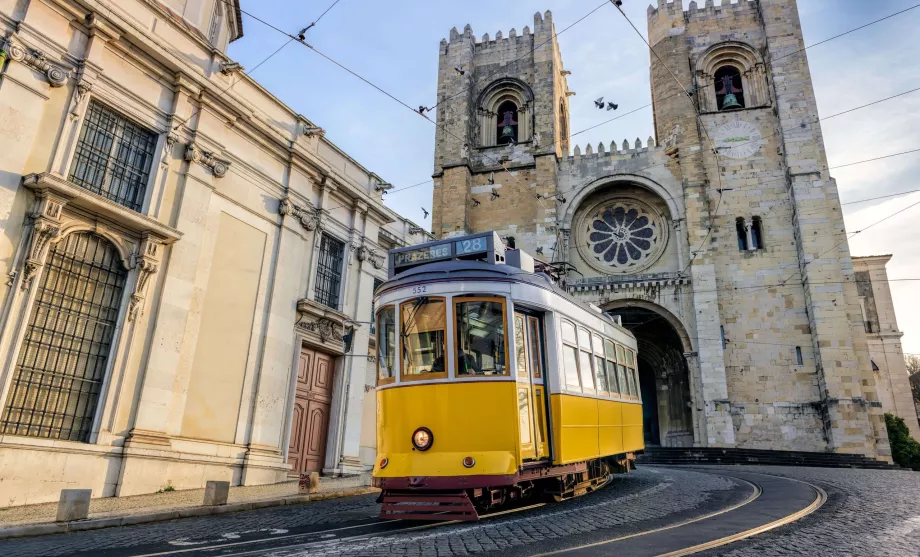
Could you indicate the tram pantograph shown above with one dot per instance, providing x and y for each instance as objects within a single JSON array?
[{"x": 494, "y": 385}]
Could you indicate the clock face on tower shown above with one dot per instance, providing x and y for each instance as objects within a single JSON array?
[{"x": 738, "y": 139}]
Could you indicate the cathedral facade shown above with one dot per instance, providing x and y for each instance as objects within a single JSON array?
[{"x": 720, "y": 241}]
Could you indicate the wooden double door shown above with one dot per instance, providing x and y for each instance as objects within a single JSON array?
[{"x": 312, "y": 403}]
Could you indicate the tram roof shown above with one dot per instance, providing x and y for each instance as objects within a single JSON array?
[{"x": 478, "y": 270}]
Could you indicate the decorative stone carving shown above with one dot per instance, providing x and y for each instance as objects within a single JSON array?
[
  {"x": 36, "y": 60},
  {"x": 416, "y": 229},
  {"x": 46, "y": 226},
  {"x": 327, "y": 329},
  {"x": 147, "y": 262},
  {"x": 622, "y": 236},
  {"x": 310, "y": 217},
  {"x": 80, "y": 95},
  {"x": 230, "y": 68},
  {"x": 219, "y": 167},
  {"x": 171, "y": 139},
  {"x": 310, "y": 130}
]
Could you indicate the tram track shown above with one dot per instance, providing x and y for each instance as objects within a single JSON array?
[{"x": 768, "y": 502}]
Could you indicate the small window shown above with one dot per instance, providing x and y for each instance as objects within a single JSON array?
[
  {"x": 722, "y": 335},
  {"x": 874, "y": 366},
  {"x": 377, "y": 283},
  {"x": 600, "y": 376},
  {"x": 631, "y": 375},
  {"x": 610, "y": 352},
  {"x": 507, "y": 120},
  {"x": 568, "y": 333},
  {"x": 585, "y": 363},
  {"x": 570, "y": 363},
  {"x": 113, "y": 157},
  {"x": 536, "y": 350},
  {"x": 621, "y": 371},
  {"x": 481, "y": 346},
  {"x": 741, "y": 230},
  {"x": 329, "y": 271},
  {"x": 756, "y": 233},
  {"x": 729, "y": 88},
  {"x": 423, "y": 325},
  {"x": 520, "y": 346},
  {"x": 386, "y": 345},
  {"x": 214, "y": 31},
  {"x": 798, "y": 356}
]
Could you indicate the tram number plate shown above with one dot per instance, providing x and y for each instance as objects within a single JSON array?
[
  {"x": 473, "y": 245},
  {"x": 421, "y": 289}
]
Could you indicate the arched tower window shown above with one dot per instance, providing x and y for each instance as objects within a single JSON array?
[
  {"x": 64, "y": 356},
  {"x": 756, "y": 233},
  {"x": 505, "y": 113},
  {"x": 741, "y": 230},
  {"x": 731, "y": 75},
  {"x": 507, "y": 120},
  {"x": 563, "y": 127},
  {"x": 729, "y": 88}
]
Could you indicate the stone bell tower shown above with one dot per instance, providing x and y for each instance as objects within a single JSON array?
[
  {"x": 756, "y": 186},
  {"x": 503, "y": 121}
]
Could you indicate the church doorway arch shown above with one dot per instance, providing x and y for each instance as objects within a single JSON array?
[{"x": 664, "y": 376}]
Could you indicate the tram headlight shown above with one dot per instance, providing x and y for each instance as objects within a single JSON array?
[{"x": 422, "y": 439}]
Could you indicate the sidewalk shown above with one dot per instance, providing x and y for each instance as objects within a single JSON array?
[{"x": 35, "y": 520}]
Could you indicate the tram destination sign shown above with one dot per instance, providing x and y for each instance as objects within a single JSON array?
[{"x": 486, "y": 246}]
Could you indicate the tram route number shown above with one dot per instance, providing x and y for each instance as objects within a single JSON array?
[
  {"x": 421, "y": 289},
  {"x": 473, "y": 245}
]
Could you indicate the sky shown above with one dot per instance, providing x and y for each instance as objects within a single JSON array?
[{"x": 394, "y": 44}]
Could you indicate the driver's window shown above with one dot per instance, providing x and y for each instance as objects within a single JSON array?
[
  {"x": 481, "y": 344},
  {"x": 423, "y": 331}
]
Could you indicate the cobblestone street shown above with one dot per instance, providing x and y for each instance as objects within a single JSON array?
[{"x": 868, "y": 512}]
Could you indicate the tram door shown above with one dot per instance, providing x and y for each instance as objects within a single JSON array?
[{"x": 531, "y": 389}]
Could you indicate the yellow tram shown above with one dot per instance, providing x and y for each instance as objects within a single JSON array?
[{"x": 494, "y": 385}]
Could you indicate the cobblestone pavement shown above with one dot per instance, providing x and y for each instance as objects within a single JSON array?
[
  {"x": 868, "y": 513},
  {"x": 170, "y": 500},
  {"x": 631, "y": 503}
]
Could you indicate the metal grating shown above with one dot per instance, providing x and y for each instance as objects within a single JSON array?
[
  {"x": 329, "y": 271},
  {"x": 113, "y": 157},
  {"x": 63, "y": 357}
]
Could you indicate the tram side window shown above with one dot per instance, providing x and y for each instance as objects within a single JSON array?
[
  {"x": 386, "y": 345},
  {"x": 611, "y": 354},
  {"x": 621, "y": 371},
  {"x": 535, "y": 349},
  {"x": 634, "y": 376},
  {"x": 423, "y": 332},
  {"x": 585, "y": 361},
  {"x": 481, "y": 346},
  {"x": 600, "y": 374},
  {"x": 570, "y": 357},
  {"x": 520, "y": 347}
]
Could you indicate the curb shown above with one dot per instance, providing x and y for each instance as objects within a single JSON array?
[{"x": 47, "y": 528}]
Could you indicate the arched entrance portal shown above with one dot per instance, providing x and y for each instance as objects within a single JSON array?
[{"x": 664, "y": 378}]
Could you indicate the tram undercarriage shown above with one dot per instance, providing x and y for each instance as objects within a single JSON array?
[{"x": 467, "y": 497}]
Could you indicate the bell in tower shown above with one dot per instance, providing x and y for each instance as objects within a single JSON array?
[{"x": 729, "y": 96}]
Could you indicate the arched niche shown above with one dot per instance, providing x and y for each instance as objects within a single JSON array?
[
  {"x": 743, "y": 58},
  {"x": 495, "y": 99}
]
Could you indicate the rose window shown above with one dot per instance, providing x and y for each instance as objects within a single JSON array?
[{"x": 624, "y": 235}]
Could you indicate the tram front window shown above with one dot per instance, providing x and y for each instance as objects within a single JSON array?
[
  {"x": 423, "y": 329},
  {"x": 481, "y": 348}
]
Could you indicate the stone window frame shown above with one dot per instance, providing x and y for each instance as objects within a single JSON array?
[
  {"x": 747, "y": 60},
  {"x": 60, "y": 209},
  {"x": 214, "y": 27},
  {"x": 492, "y": 97}
]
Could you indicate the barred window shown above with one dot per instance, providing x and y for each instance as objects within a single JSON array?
[
  {"x": 62, "y": 361},
  {"x": 113, "y": 157},
  {"x": 329, "y": 271}
]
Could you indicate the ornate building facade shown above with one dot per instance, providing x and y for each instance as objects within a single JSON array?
[
  {"x": 720, "y": 241},
  {"x": 183, "y": 256}
]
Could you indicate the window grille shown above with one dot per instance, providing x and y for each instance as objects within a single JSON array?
[
  {"x": 62, "y": 361},
  {"x": 329, "y": 271},
  {"x": 113, "y": 157}
]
